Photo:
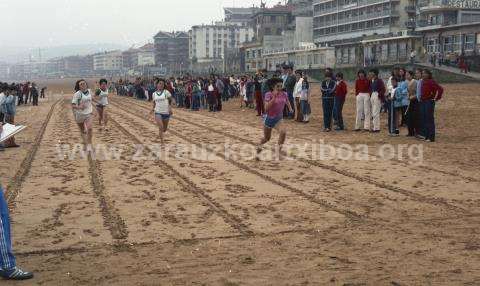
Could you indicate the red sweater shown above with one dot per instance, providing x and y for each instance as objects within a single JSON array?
[
  {"x": 362, "y": 86},
  {"x": 341, "y": 90},
  {"x": 431, "y": 90}
]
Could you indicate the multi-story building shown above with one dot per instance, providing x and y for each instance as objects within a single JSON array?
[
  {"x": 307, "y": 57},
  {"x": 302, "y": 8},
  {"x": 4, "y": 70},
  {"x": 209, "y": 44},
  {"x": 108, "y": 61},
  {"x": 270, "y": 23},
  {"x": 171, "y": 51},
  {"x": 239, "y": 16},
  {"x": 450, "y": 28},
  {"x": 253, "y": 57},
  {"x": 143, "y": 56},
  {"x": 365, "y": 32}
]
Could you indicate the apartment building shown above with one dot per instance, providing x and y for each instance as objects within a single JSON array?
[
  {"x": 171, "y": 51},
  {"x": 108, "y": 61},
  {"x": 449, "y": 27},
  {"x": 239, "y": 16},
  {"x": 210, "y": 44},
  {"x": 366, "y": 32}
]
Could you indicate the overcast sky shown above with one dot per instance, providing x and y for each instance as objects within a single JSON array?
[{"x": 35, "y": 23}]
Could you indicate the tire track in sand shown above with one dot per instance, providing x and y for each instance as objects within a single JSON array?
[
  {"x": 13, "y": 188},
  {"x": 112, "y": 219},
  {"x": 190, "y": 187},
  {"x": 346, "y": 173},
  {"x": 428, "y": 168},
  {"x": 323, "y": 203}
]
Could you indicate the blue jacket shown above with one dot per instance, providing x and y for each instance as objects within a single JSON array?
[
  {"x": 401, "y": 95},
  {"x": 328, "y": 88}
]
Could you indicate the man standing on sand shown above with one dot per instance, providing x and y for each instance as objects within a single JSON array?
[{"x": 289, "y": 86}]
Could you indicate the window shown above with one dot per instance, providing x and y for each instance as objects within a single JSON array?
[
  {"x": 469, "y": 42},
  {"x": 432, "y": 45},
  {"x": 448, "y": 44},
  {"x": 457, "y": 43}
]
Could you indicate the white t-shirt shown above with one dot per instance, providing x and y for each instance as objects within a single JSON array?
[
  {"x": 86, "y": 99},
  {"x": 297, "y": 91},
  {"x": 161, "y": 101},
  {"x": 103, "y": 97}
]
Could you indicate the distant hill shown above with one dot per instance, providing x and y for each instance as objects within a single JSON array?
[{"x": 19, "y": 54}]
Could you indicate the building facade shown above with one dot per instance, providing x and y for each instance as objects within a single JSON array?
[
  {"x": 302, "y": 8},
  {"x": 172, "y": 51},
  {"x": 449, "y": 28},
  {"x": 366, "y": 32},
  {"x": 308, "y": 57},
  {"x": 239, "y": 16},
  {"x": 108, "y": 61},
  {"x": 210, "y": 45}
]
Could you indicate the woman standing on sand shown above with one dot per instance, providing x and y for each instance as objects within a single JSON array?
[
  {"x": 83, "y": 110},
  {"x": 102, "y": 96},
  {"x": 162, "y": 107},
  {"x": 275, "y": 101}
]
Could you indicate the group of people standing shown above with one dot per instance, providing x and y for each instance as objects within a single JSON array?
[
  {"x": 408, "y": 97},
  {"x": 194, "y": 93}
]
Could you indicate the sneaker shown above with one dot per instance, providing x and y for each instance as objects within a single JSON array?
[
  {"x": 327, "y": 130},
  {"x": 339, "y": 129},
  {"x": 420, "y": 137},
  {"x": 375, "y": 131},
  {"x": 393, "y": 135},
  {"x": 16, "y": 274},
  {"x": 357, "y": 130}
]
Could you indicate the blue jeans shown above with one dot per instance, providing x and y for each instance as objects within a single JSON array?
[
  {"x": 327, "y": 105},
  {"x": 7, "y": 259},
  {"x": 203, "y": 100},
  {"x": 428, "y": 119},
  {"x": 196, "y": 101},
  {"x": 337, "y": 112}
]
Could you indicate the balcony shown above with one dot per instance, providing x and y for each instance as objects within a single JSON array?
[
  {"x": 358, "y": 18},
  {"x": 410, "y": 9},
  {"x": 343, "y": 8},
  {"x": 410, "y": 24},
  {"x": 438, "y": 5},
  {"x": 425, "y": 23}
]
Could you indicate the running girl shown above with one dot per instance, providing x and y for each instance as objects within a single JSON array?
[
  {"x": 83, "y": 110},
  {"x": 162, "y": 107},
  {"x": 275, "y": 101},
  {"x": 102, "y": 96}
]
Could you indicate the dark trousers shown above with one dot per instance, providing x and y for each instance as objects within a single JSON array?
[
  {"x": 404, "y": 116},
  {"x": 327, "y": 105},
  {"x": 337, "y": 112},
  {"x": 428, "y": 119},
  {"x": 259, "y": 103},
  {"x": 7, "y": 259},
  {"x": 286, "y": 113},
  {"x": 212, "y": 101},
  {"x": 392, "y": 118},
  {"x": 413, "y": 118},
  {"x": 35, "y": 100}
]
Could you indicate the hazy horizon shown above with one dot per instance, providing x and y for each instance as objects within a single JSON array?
[{"x": 33, "y": 24}]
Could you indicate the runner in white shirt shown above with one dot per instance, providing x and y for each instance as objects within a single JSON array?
[
  {"x": 83, "y": 110},
  {"x": 102, "y": 95},
  {"x": 162, "y": 107}
]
